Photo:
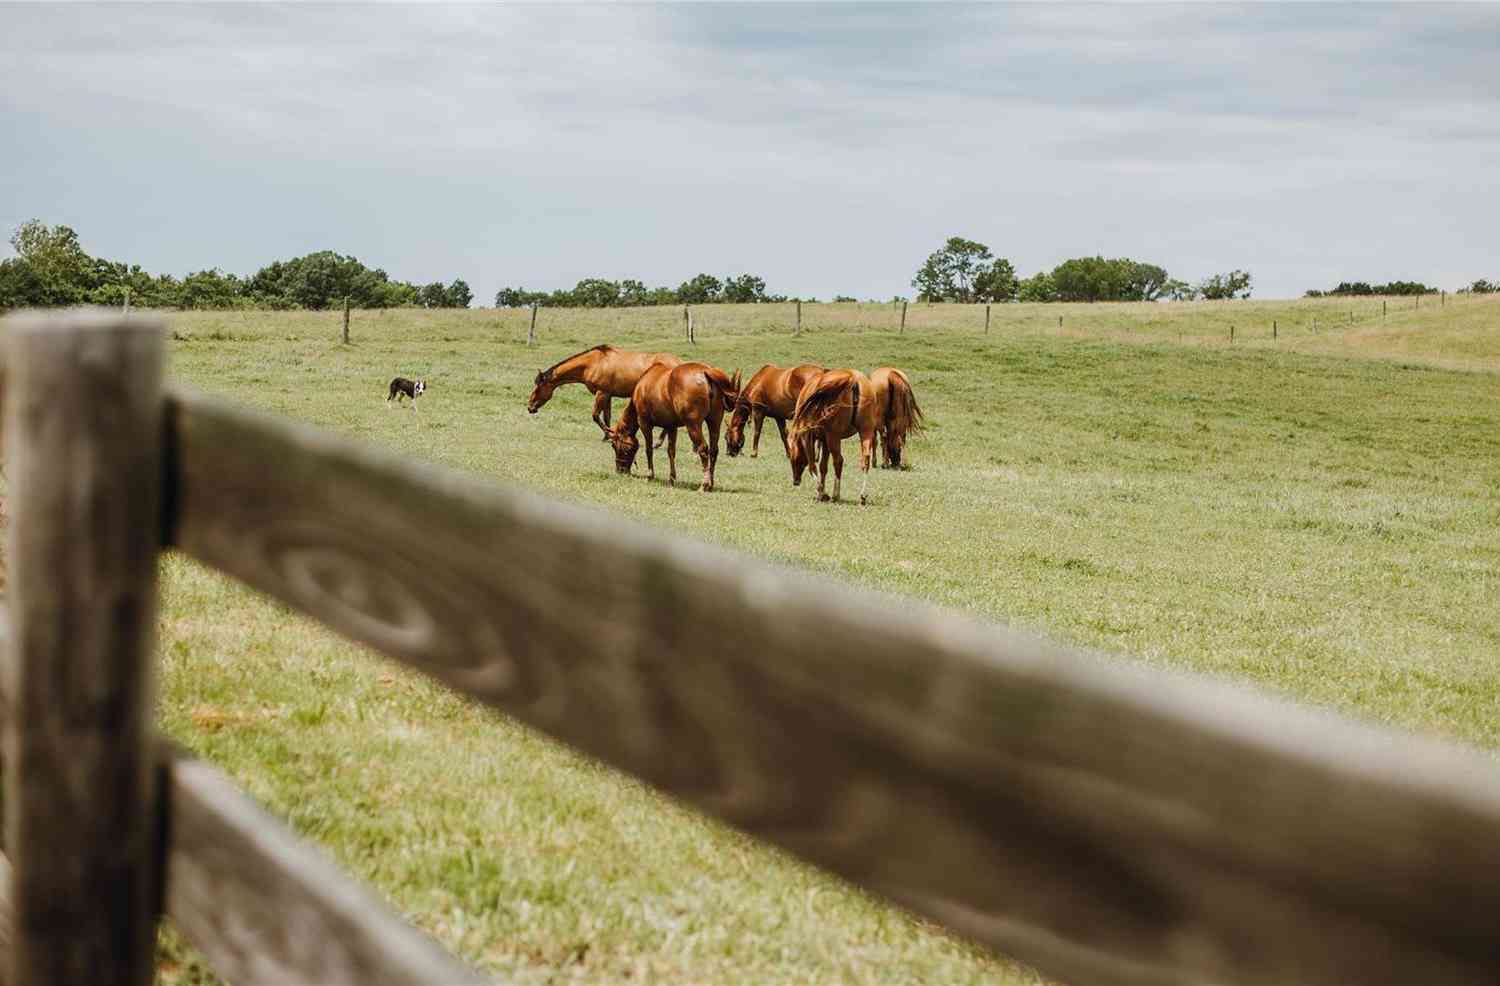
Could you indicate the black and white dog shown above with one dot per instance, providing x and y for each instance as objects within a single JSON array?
[{"x": 402, "y": 387}]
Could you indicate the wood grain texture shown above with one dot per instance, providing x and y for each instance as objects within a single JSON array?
[
  {"x": 267, "y": 909},
  {"x": 1109, "y": 825},
  {"x": 83, "y": 415},
  {"x": 264, "y": 907}
]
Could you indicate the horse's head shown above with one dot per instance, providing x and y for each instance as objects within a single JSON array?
[
  {"x": 542, "y": 392},
  {"x": 799, "y": 449},
  {"x": 626, "y": 446},
  {"x": 734, "y": 437}
]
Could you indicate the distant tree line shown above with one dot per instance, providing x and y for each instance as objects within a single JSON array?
[
  {"x": 1482, "y": 286},
  {"x": 51, "y": 268},
  {"x": 1365, "y": 287},
  {"x": 966, "y": 271},
  {"x": 597, "y": 292}
]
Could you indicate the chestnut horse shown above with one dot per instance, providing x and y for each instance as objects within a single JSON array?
[
  {"x": 834, "y": 405},
  {"x": 687, "y": 395},
  {"x": 771, "y": 393},
  {"x": 901, "y": 415},
  {"x": 607, "y": 372}
]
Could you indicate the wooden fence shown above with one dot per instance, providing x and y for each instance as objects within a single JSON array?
[{"x": 1108, "y": 825}]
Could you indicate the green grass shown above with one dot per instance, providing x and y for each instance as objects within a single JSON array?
[{"x": 1318, "y": 516}]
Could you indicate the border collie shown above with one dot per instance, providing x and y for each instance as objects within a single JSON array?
[{"x": 402, "y": 387}]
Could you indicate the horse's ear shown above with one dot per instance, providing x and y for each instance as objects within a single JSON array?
[{"x": 539, "y": 378}]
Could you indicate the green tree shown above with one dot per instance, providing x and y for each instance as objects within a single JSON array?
[
  {"x": 458, "y": 294},
  {"x": 210, "y": 289},
  {"x": 949, "y": 273},
  {"x": 997, "y": 283},
  {"x": 57, "y": 271},
  {"x": 1179, "y": 290},
  {"x": 701, "y": 290},
  {"x": 744, "y": 289},
  {"x": 1222, "y": 287},
  {"x": 595, "y": 292},
  {"x": 1037, "y": 287}
]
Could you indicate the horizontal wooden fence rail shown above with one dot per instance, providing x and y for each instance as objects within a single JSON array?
[
  {"x": 264, "y": 907},
  {"x": 1109, "y": 825}
]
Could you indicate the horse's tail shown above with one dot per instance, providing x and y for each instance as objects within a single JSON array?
[
  {"x": 821, "y": 401},
  {"x": 902, "y": 414},
  {"x": 726, "y": 388}
]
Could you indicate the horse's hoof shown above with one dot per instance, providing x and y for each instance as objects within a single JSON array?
[
  {"x": 824, "y": 498},
  {"x": 863, "y": 499}
]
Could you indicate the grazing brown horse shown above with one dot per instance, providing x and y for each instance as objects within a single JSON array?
[
  {"x": 607, "y": 372},
  {"x": 687, "y": 395},
  {"x": 901, "y": 416},
  {"x": 771, "y": 393},
  {"x": 834, "y": 405}
]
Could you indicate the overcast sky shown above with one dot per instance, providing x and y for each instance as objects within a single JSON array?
[{"x": 826, "y": 148}]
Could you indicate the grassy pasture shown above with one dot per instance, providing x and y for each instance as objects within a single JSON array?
[{"x": 1319, "y": 516}]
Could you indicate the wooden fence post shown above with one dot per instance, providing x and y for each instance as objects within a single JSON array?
[
  {"x": 346, "y": 320},
  {"x": 692, "y": 338},
  {"x": 1382, "y": 307},
  {"x": 531, "y": 332},
  {"x": 83, "y": 432},
  {"x": 986, "y": 319},
  {"x": 1059, "y": 321},
  {"x": 798, "y": 330},
  {"x": 903, "y": 318},
  {"x": 1231, "y": 333},
  {"x": 1273, "y": 328}
]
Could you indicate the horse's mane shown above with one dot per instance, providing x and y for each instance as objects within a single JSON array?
[{"x": 602, "y": 347}]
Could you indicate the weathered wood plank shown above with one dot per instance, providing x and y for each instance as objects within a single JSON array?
[
  {"x": 83, "y": 416},
  {"x": 267, "y": 909},
  {"x": 1109, "y": 825}
]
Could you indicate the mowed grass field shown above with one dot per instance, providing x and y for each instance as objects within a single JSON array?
[{"x": 1317, "y": 515}]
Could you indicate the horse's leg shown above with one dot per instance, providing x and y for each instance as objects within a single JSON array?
[
  {"x": 822, "y": 493},
  {"x": 695, "y": 432},
  {"x": 672, "y": 456},
  {"x": 866, "y": 457},
  {"x": 713, "y": 449},
  {"x": 650, "y": 450},
  {"x": 601, "y": 412},
  {"x": 838, "y": 469},
  {"x": 759, "y": 417},
  {"x": 785, "y": 445}
]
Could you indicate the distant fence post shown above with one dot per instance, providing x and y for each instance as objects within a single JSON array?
[
  {"x": 691, "y": 337},
  {"x": 1273, "y": 328},
  {"x": 903, "y": 318},
  {"x": 986, "y": 319},
  {"x": 798, "y": 330},
  {"x": 531, "y": 332},
  {"x": 1059, "y": 321},
  {"x": 1231, "y": 332},
  {"x": 1442, "y": 299},
  {"x": 82, "y": 807},
  {"x": 346, "y": 320},
  {"x": 1382, "y": 307},
  {"x": 685, "y": 329}
]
